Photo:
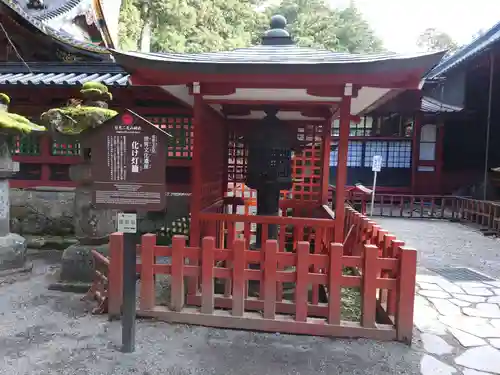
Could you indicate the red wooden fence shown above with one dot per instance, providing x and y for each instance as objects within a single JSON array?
[
  {"x": 385, "y": 273},
  {"x": 485, "y": 214},
  {"x": 99, "y": 291}
]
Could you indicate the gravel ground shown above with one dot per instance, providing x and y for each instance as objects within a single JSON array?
[
  {"x": 49, "y": 332},
  {"x": 443, "y": 243}
]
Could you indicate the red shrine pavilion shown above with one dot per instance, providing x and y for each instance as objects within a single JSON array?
[
  {"x": 229, "y": 91},
  {"x": 251, "y": 109}
]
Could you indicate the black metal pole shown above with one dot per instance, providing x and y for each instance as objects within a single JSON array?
[
  {"x": 129, "y": 292},
  {"x": 488, "y": 126}
]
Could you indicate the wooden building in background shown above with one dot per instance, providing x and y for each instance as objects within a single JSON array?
[
  {"x": 422, "y": 135},
  {"x": 45, "y": 56}
]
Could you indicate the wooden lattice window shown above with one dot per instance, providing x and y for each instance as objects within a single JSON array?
[
  {"x": 27, "y": 145},
  {"x": 65, "y": 149},
  {"x": 363, "y": 128},
  {"x": 182, "y": 130},
  {"x": 354, "y": 154}
]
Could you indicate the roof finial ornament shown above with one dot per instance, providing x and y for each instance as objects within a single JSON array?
[
  {"x": 277, "y": 34},
  {"x": 278, "y": 22},
  {"x": 36, "y": 4}
]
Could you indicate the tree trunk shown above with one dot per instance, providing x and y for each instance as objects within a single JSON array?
[{"x": 145, "y": 38}]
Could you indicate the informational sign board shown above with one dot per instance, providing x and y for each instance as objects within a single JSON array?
[
  {"x": 127, "y": 223},
  {"x": 128, "y": 156},
  {"x": 376, "y": 167},
  {"x": 377, "y": 163}
]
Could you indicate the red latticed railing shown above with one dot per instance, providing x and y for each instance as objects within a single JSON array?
[
  {"x": 376, "y": 275},
  {"x": 484, "y": 214},
  {"x": 307, "y": 165},
  {"x": 236, "y": 159},
  {"x": 414, "y": 206}
]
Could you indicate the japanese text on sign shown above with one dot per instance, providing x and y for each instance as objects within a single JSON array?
[
  {"x": 117, "y": 148},
  {"x": 377, "y": 163},
  {"x": 135, "y": 157},
  {"x": 133, "y": 176}
]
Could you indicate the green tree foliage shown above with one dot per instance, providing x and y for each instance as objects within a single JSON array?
[
  {"x": 189, "y": 25},
  {"x": 314, "y": 23},
  {"x": 436, "y": 40},
  {"x": 130, "y": 25},
  {"x": 214, "y": 25}
]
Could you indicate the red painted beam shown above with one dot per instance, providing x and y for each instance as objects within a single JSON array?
[{"x": 408, "y": 80}]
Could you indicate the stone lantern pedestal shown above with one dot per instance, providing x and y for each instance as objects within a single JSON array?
[
  {"x": 92, "y": 229},
  {"x": 13, "y": 247}
]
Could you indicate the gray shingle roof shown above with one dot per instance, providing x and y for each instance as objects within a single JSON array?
[
  {"x": 62, "y": 74},
  {"x": 269, "y": 54},
  {"x": 467, "y": 52},
  {"x": 431, "y": 105},
  {"x": 279, "y": 60}
]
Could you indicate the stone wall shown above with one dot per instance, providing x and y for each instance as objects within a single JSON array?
[{"x": 40, "y": 212}]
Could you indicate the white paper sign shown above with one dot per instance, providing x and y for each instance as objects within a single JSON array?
[
  {"x": 127, "y": 223},
  {"x": 377, "y": 163}
]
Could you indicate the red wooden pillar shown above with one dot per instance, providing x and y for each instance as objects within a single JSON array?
[
  {"x": 325, "y": 173},
  {"x": 196, "y": 178},
  {"x": 345, "y": 120}
]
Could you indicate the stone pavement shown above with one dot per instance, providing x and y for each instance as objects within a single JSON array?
[{"x": 459, "y": 326}]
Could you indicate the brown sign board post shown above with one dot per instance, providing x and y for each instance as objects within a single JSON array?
[
  {"x": 128, "y": 160},
  {"x": 128, "y": 164}
]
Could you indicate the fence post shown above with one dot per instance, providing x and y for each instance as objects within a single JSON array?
[
  {"x": 386, "y": 253},
  {"x": 406, "y": 294},
  {"x": 301, "y": 290},
  {"x": 369, "y": 297},
  {"x": 147, "y": 296},
  {"x": 207, "y": 275},
  {"x": 335, "y": 283},
  {"x": 454, "y": 204},
  {"x": 374, "y": 235},
  {"x": 392, "y": 294},
  {"x": 177, "y": 286},
  {"x": 115, "y": 278},
  {"x": 239, "y": 279},
  {"x": 269, "y": 278}
]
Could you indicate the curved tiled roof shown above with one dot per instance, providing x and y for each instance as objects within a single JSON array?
[
  {"x": 53, "y": 8},
  {"x": 431, "y": 105},
  {"x": 269, "y": 54},
  {"x": 53, "y": 33},
  {"x": 467, "y": 52},
  {"x": 279, "y": 59},
  {"x": 62, "y": 74}
]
